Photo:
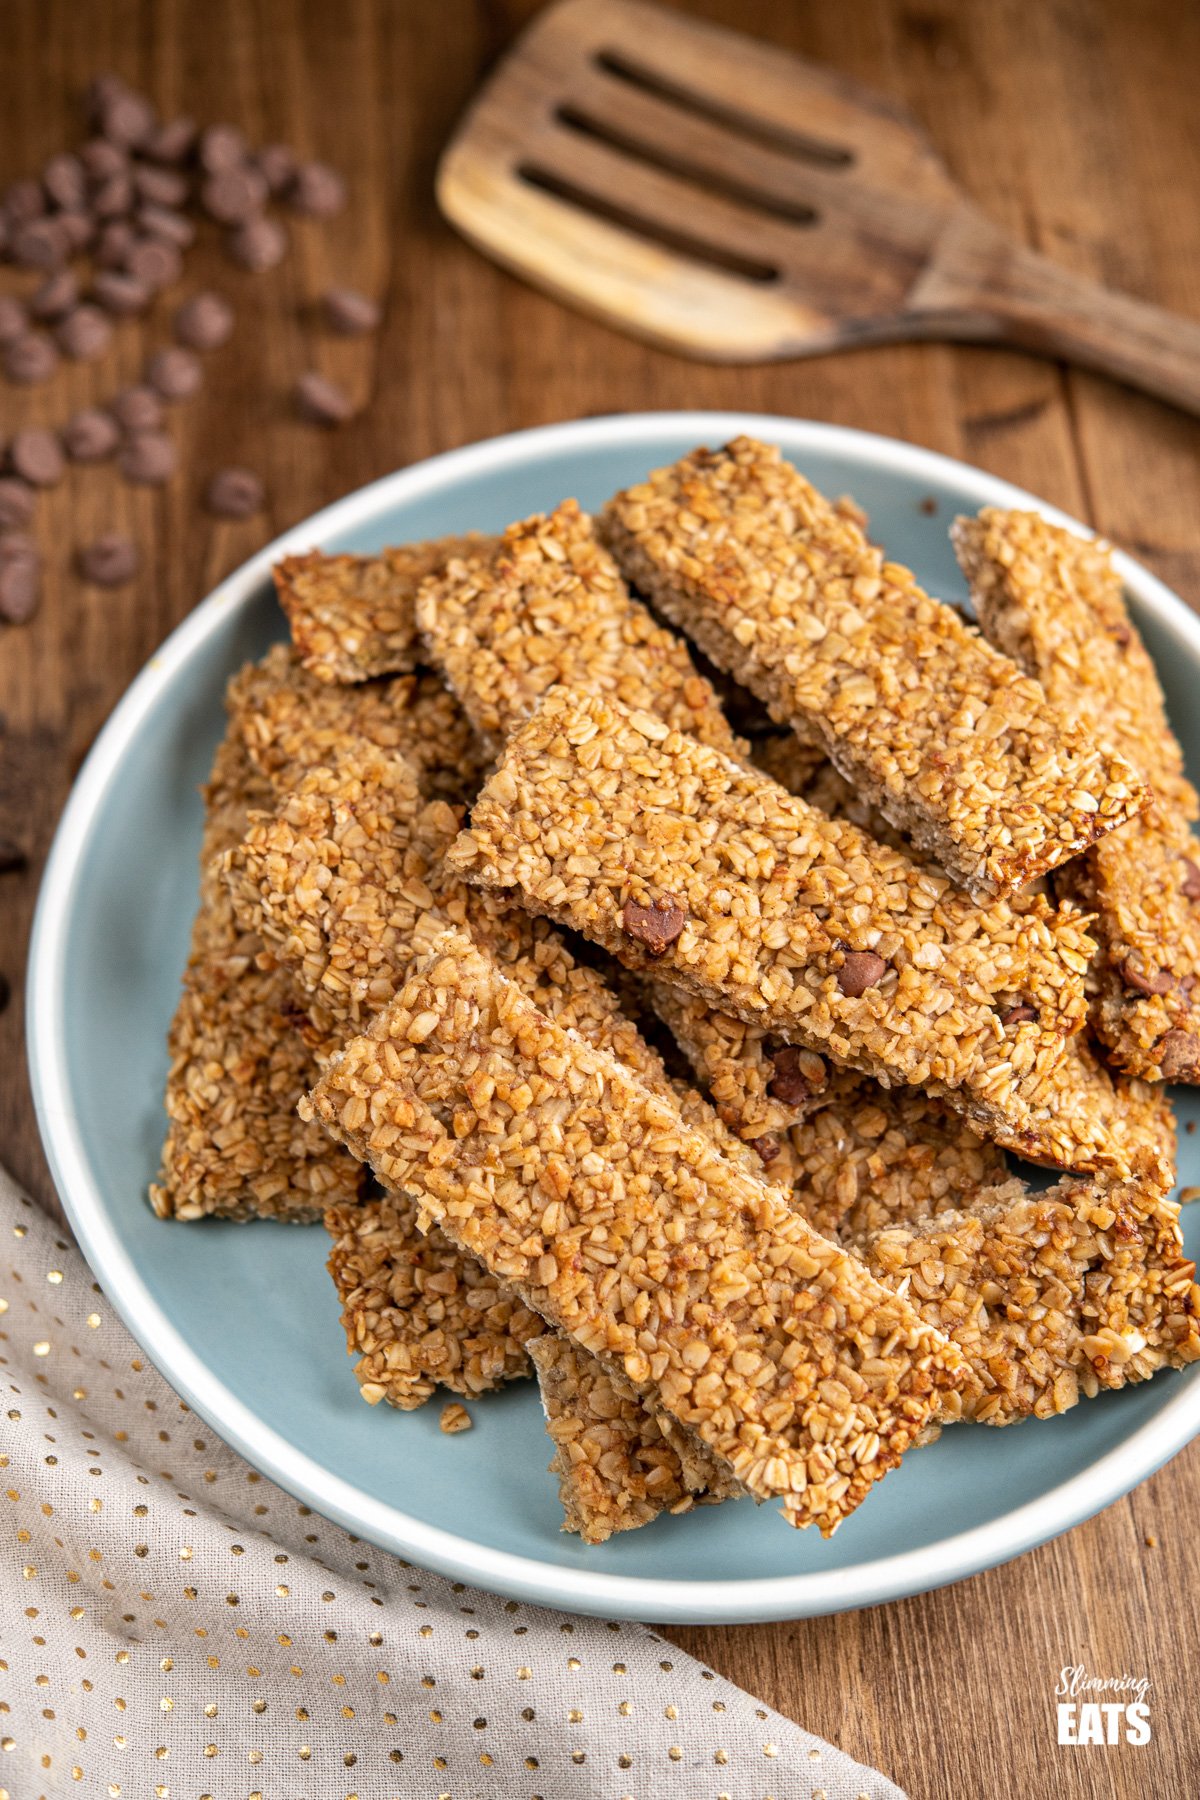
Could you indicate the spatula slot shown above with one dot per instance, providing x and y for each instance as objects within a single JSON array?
[
  {"x": 622, "y": 67},
  {"x": 681, "y": 243},
  {"x": 709, "y": 180}
]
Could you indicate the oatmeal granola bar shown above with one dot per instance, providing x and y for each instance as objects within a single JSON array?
[
  {"x": 1050, "y": 1296},
  {"x": 240, "y": 1056},
  {"x": 678, "y": 860},
  {"x": 291, "y": 721},
  {"x": 1054, "y": 602},
  {"x": 954, "y": 744},
  {"x": 550, "y": 606},
  {"x": 351, "y": 617},
  {"x": 619, "y": 1464},
  {"x": 417, "y": 1313},
  {"x": 627, "y": 1229}
]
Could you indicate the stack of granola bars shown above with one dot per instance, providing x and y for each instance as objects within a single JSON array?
[{"x": 678, "y": 1065}]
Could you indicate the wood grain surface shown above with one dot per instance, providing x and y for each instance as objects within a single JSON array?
[{"x": 1072, "y": 123}]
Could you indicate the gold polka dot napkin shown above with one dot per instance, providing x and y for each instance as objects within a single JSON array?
[{"x": 172, "y": 1624}]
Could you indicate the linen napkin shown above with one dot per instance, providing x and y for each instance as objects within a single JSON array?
[{"x": 171, "y": 1623}]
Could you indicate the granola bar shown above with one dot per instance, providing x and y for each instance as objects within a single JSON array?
[
  {"x": 240, "y": 1056},
  {"x": 954, "y": 744},
  {"x": 678, "y": 860},
  {"x": 550, "y": 606},
  {"x": 291, "y": 721},
  {"x": 619, "y": 1464},
  {"x": 627, "y": 1229},
  {"x": 1054, "y": 602},
  {"x": 1049, "y": 1296},
  {"x": 417, "y": 1313},
  {"x": 351, "y": 617}
]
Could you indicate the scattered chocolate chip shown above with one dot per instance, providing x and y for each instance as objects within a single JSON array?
[
  {"x": 16, "y": 503},
  {"x": 148, "y": 458},
  {"x": 85, "y": 334},
  {"x": 171, "y": 142},
  {"x": 114, "y": 244},
  {"x": 1180, "y": 1056},
  {"x": 126, "y": 118},
  {"x": 37, "y": 457},
  {"x": 56, "y": 296},
  {"x": 65, "y": 182},
  {"x": 861, "y": 970},
  {"x": 655, "y": 926},
  {"x": 276, "y": 163},
  {"x": 234, "y": 494},
  {"x": 20, "y": 588},
  {"x": 1161, "y": 982},
  {"x": 120, "y": 293},
  {"x": 174, "y": 373},
  {"x": 789, "y": 1084},
  {"x": 101, "y": 160},
  {"x": 30, "y": 359},
  {"x": 349, "y": 312},
  {"x": 1121, "y": 634},
  {"x": 161, "y": 187},
  {"x": 1191, "y": 880},
  {"x": 1019, "y": 1014},
  {"x": 258, "y": 245},
  {"x": 204, "y": 322},
  {"x": 232, "y": 196},
  {"x": 110, "y": 561},
  {"x": 221, "y": 147},
  {"x": 154, "y": 262},
  {"x": 14, "y": 319},
  {"x": 928, "y": 505},
  {"x": 317, "y": 190},
  {"x": 40, "y": 245},
  {"x": 768, "y": 1147},
  {"x": 90, "y": 435},
  {"x": 161, "y": 222},
  {"x": 23, "y": 201},
  {"x": 113, "y": 198},
  {"x": 12, "y": 858},
  {"x": 137, "y": 409}
]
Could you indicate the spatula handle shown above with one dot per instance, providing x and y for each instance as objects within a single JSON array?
[{"x": 995, "y": 288}]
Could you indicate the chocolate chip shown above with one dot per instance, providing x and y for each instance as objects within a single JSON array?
[
  {"x": 1179, "y": 1058},
  {"x": 85, "y": 334},
  {"x": 20, "y": 588},
  {"x": 317, "y": 190},
  {"x": 40, "y": 245},
  {"x": 861, "y": 970},
  {"x": 1018, "y": 1014},
  {"x": 349, "y": 312},
  {"x": 1121, "y": 634},
  {"x": 137, "y": 409},
  {"x": 14, "y": 319},
  {"x": 110, "y": 561},
  {"x": 37, "y": 457},
  {"x": 148, "y": 459},
  {"x": 30, "y": 359},
  {"x": 789, "y": 1084},
  {"x": 1191, "y": 880},
  {"x": 655, "y": 926},
  {"x": 57, "y": 295},
  {"x": 160, "y": 187},
  {"x": 126, "y": 118},
  {"x": 113, "y": 198},
  {"x": 114, "y": 244},
  {"x": 174, "y": 373},
  {"x": 1161, "y": 982},
  {"x": 90, "y": 435},
  {"x": 768, "y": 1147},
  {"x": 258, "y": 245},
  {"x": 232, "y": 196},
  {"x": 234, "y": 494},
  {"x": 65, "y": 182},
  {"x": 171, "y": 227},
  {"x": 221, "y": 147},
  {"x": 120, "y": 293},
  {"x": 276, "y": 163},
  {"x": 101, "y": 160},
  {"x": 12, "y": 858},
  {"x": 171, "y": 142},
  {"x": 204, "y": 322},
  {"x": 16, "y": 503},
  {"x": 154, "y": 262}
]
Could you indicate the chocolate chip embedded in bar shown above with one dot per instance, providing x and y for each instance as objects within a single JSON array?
[
  {"x": 585, "y": 1192},
  {"x": 951, "y": 740},
  {"x": 1055, "y": 603},
  {"x": 549, "y": 606},
  {"x": 592, "y": 806}
]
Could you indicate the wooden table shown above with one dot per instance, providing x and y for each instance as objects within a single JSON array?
[{"x": 1074, "y": 125}]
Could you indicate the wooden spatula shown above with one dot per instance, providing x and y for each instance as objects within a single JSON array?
[{"x": 733, "y": 202}]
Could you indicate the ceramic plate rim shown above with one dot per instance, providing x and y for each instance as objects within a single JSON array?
[{"x": 730, "y": 1601}]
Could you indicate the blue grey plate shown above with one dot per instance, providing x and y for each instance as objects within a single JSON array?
[{"x": 242, "y": 1319}]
